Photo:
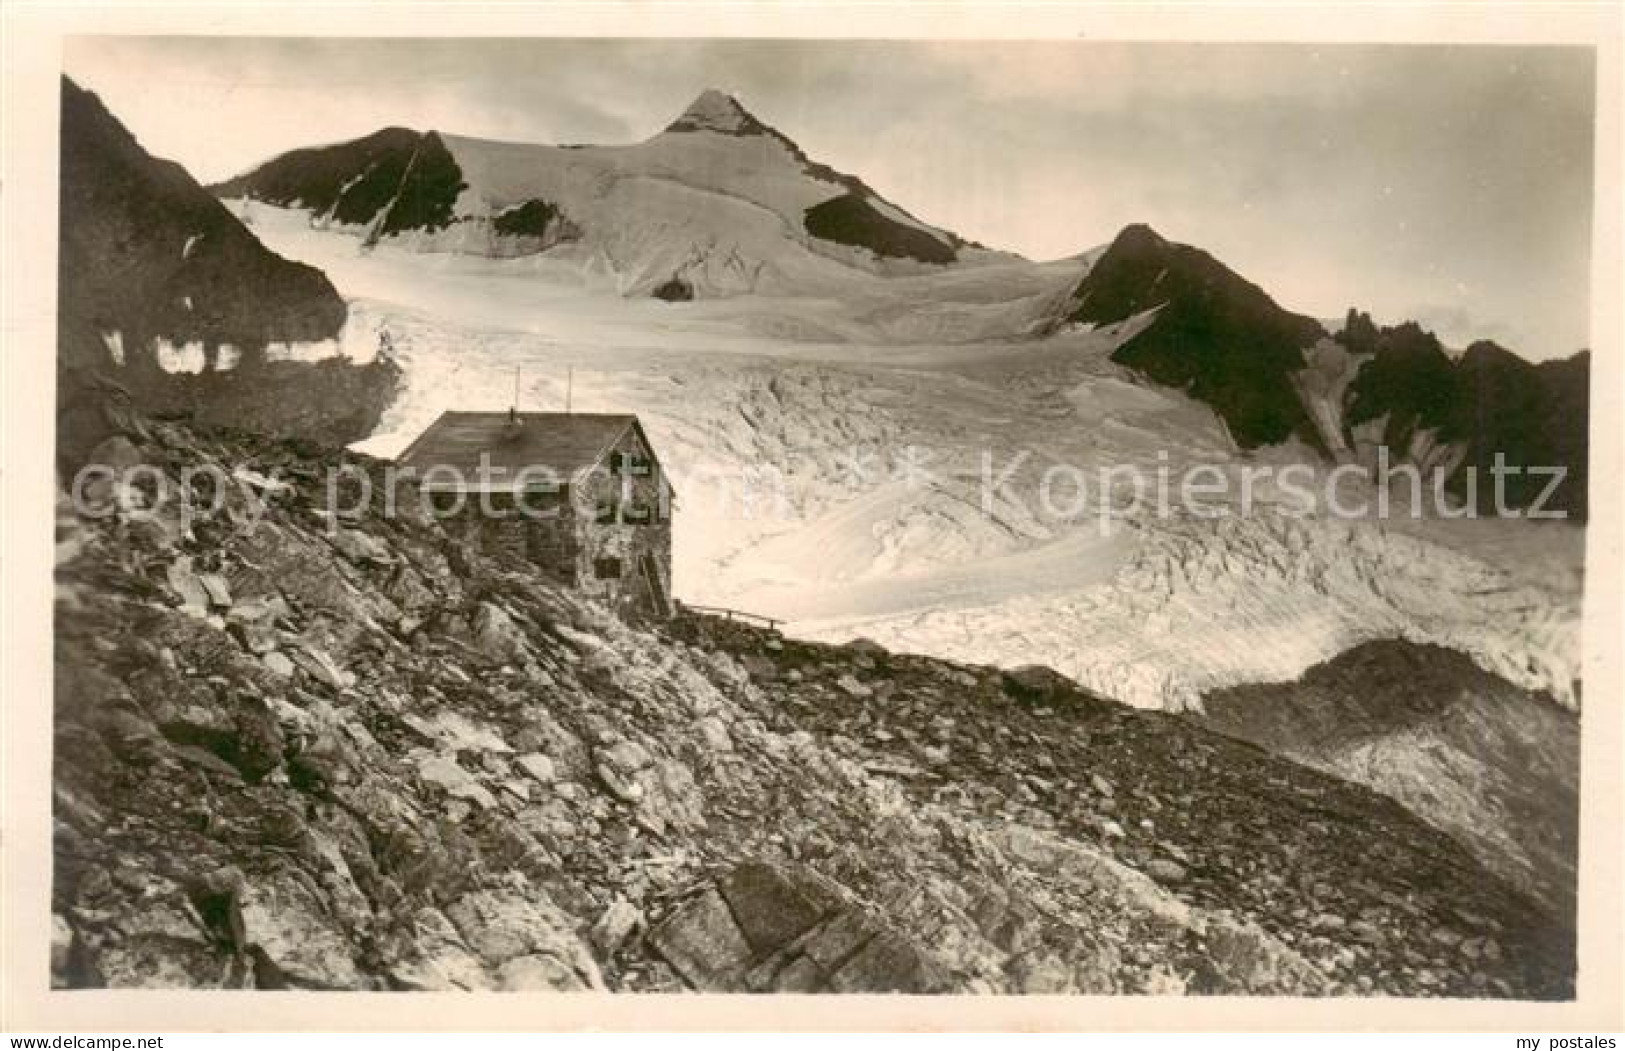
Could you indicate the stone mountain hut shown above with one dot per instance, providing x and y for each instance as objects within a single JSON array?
[{"x": 580, "y": 495}]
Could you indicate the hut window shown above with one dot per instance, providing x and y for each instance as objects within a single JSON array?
[
  {"x": 606, "y": 568},
  {"x": 607, "y": 511},
  {"x": 630, "y": 464},
  {"x": 637, "y": 514}
]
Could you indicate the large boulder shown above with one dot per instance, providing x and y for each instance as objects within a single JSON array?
[
  {"x": 1036, "y": 682},
  {"x": 779, "y": 927}
]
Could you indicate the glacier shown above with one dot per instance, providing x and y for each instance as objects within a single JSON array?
[{"x": 789, "y": 422}]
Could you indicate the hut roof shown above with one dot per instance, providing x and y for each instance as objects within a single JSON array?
[{"x": 514, "y": 447}]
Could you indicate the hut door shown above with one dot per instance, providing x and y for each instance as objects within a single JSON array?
[
  {"x": 657, "y": 589},
  {"x": 547, "y": 548}
]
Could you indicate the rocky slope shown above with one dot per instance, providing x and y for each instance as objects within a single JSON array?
[
  {"x": 718, "y": 203},
  {"x": 312, "y": 750},
  {"x": 167, "y": 302},
  {"x": 1494, "y": 765}
]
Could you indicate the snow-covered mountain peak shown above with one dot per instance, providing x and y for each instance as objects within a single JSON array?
[
  {"x": 717, "y": 204},
  {"x": 717, "y": 111}
]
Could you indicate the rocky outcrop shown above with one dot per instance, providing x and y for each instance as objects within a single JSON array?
[
  {"x": 400, "y": 187},
  {"x": 1272, "y": 375},
  {"x": 674, "y": 290},
  {"x": 342, "y": 751},
  {"x": 1531, "y": 416},
  {"x": 1408, "y": 384},
  {"x": 391, "y": 181},
  {"x": 1214, "y": 334},
  {"x": 852, "y": 220},
  {"x": 784, "y": 928},
  {"x": 1461, "y": 416},
  {"x": 534, "y": 225},
  {"x": 167, "y": 304},
  {"x": 1494, "y": 765},
  {"x": 1396, "y": 390}
]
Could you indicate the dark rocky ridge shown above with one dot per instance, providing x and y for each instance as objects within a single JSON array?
[
  {"x": 146, "y": 253},
  {"x": 1492, "y": 764},
  {"x": 397, "y": 178},
  {"x": 1409, "y": 378},
  {"x": 1216, "y": 335},
  {"x": 1534, "y": 415},
  {"x": 370, "y": 757},
  {"x": 1490, "y": 401},
  {"x": 1222, "y": 340}
]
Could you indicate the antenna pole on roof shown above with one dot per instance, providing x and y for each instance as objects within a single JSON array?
[{"x": 569, "y": 388}]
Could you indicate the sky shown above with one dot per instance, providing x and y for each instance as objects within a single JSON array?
[{"x": 1446, "y": 184}]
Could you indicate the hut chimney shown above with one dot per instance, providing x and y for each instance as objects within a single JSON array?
[{"x": 515, "y": 427}]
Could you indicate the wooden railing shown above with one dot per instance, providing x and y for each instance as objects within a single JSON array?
[{"x": 731, "y": 614}]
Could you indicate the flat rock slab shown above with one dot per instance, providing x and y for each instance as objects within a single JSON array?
[
  {"x": 770, "y": 907},
  {"x": 783, "y": 928},
  {"x": 887, "y": 964},
  {"x": 704, "y": 945}
]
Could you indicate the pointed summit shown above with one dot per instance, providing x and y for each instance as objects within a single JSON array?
[
  {"x": 1139, "y": 238},
  {"x": 720, "y": 112},
  {"x": 1215, "y": 335}
]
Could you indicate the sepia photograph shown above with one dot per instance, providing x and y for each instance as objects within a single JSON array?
[{"x": 775, "y": 514}]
